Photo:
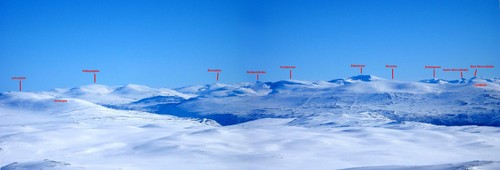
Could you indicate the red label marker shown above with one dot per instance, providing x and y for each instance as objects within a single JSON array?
[
  {"x": 480, "y": 85},
  {"x": 215, "y": 71},
  {"x": 433, "y": 70},
  {"x": 91, "y": 71},
  {"x": 20, "y": 82},
  {"x": 461, "y": 70},
  {"x": 256, "y": 73},
  {"x": 480, "y": 66},
  {"x": 60, "y": 101},
  {"x": 360, "y": 67},
  {"x": 392, "y": 68},
  {"x": 289, "y": 67}
]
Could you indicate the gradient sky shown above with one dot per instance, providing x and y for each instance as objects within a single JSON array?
[{"x": 173, "y": 43}]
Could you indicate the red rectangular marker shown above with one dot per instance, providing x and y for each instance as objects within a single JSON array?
[
  {"x": 60, "y": 101},
  {"x": 461, "y": 70},
  {"x": 480, "y": 66},
  {"x": 360, "y": 67},
  {"x": 289, "y": 67},
  {"x": 257, "y": 73},
  {"x": 215, "y": 71},
  {"x": 92, "y": 71},
  {"x": 392, "y": 68},
  {"x": 433, "y": 70},
  {"x": 20, "y": 82}
]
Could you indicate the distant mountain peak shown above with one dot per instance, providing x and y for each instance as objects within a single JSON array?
[{"x": 366, "y": 78}]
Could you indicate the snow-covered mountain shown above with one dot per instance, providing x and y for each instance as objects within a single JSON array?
[
  {"x": 443, "y": 103},
  {"x": 361, "y": 122},
  {"x": 113, "y": 95}
]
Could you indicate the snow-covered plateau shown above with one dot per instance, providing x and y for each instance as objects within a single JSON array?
[{"x": 360, "y": 123}]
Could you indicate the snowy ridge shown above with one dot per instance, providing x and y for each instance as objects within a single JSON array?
[
  {"x": 432, "y": 101},
  {"x": 114, "y": 95},
  {"x": 225, "y": 90},
  {"x": 444, "y": 103},
  {"x": 362, "y": 122}
]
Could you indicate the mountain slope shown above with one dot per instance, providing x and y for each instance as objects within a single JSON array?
[
  {"x": 362, "y": 122},
  {"x": 445, "y": 103},
  {"x": 114, "y": 95}
]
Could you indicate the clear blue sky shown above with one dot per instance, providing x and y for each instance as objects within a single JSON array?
[{"x": 173, "y": 43}]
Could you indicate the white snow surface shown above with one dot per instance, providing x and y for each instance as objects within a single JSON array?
[
  {"x": 312, "y": 129},
  {"x": 113, "y": 95}
]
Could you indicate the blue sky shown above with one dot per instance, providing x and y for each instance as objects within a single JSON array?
[{"x": 173, "y": 43}]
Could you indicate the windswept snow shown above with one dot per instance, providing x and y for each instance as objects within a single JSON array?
[
  {"x": 464, "y": 165},
  {"x": 114, "y": 95},
  {"x": 436, "y": 103},
  {"x": 362, "y": 122}
]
